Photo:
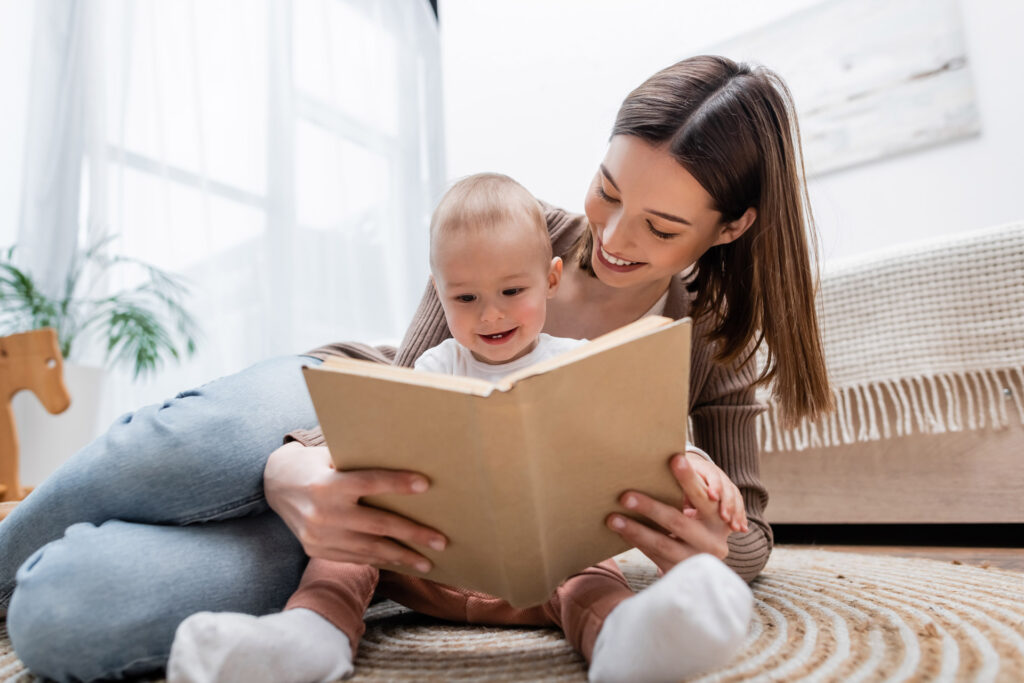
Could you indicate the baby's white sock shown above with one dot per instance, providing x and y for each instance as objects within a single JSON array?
[
  {"x": 692, "y": 619},
  {"x": 294, "y": 646}
]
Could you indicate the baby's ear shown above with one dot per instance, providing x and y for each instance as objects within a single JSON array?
[{"x": 554, "y": 275}]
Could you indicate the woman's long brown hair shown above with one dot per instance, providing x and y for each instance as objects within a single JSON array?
[{"x": 733, "y": 127}]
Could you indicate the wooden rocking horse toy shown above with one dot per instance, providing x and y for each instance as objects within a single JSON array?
[{"x": 30, "y": 360}]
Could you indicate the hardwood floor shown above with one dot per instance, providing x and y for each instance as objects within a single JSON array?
[
  {"x": 982, "y": 545},
  {"x": 1000, "y": 558}
]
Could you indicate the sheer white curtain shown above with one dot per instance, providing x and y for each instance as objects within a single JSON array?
[{"x": 284, "y": 156}]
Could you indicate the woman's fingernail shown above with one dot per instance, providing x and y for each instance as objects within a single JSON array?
[
  {"x": 437, "y": 544},
  {"x": 630, "y": 502},
  {"x": 419, "y": 485},
  {"x": 423, "y": 567},
  {"x": 618, "y": 523},
  {"x": 681, "y": 463}
]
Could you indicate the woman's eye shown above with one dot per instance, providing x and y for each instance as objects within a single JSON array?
[
  {"x": 599, "y": 191},
  {"x": 658, "y": 233},
  {"x": 466, "y": 298},
  {"x": 512, "y": 291}
]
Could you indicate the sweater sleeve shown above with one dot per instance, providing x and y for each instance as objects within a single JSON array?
[
  {"x": 724, "y": 418},
  {"x": 427, "y": 329}
]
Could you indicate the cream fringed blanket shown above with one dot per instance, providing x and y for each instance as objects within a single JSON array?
[{"x": 927, "y": 338}]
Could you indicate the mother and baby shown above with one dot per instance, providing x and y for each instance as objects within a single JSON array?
[{"x": 176, "y": 538}]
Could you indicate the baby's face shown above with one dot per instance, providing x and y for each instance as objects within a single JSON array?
[{"x": 494, "y": 290}]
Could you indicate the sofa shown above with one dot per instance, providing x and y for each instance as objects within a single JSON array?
[{"x": 925, "y": 349}]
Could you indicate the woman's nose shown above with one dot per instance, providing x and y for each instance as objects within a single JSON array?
[{"x": 615, "y": 234}]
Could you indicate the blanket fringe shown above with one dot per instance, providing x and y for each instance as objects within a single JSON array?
[{"x": 931, "y": 404}]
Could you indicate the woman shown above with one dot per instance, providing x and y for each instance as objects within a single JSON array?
[{"x": 702, "y": 168}]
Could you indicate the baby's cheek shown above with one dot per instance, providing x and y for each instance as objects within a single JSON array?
[
  {"x": 533, "y": 314},
  {"x": 460, "y": 326}
]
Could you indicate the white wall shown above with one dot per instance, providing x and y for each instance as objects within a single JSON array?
[
  {"x": 532, "y": 87},
  {"x": 15, "y": 42}
]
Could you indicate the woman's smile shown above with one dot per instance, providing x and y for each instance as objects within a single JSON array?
[{"x": 612, "y": 262}]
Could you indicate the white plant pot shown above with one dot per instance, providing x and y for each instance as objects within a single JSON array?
[{"x": 46, "y": 441}]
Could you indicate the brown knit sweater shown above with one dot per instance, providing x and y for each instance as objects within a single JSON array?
[{"x": 722, "y": 404}]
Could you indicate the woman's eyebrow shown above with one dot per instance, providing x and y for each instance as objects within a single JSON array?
[
  {"x": 609, "y": 177},
  {"x": 660, "y": 214},
  {"x": 669, "y": 217}
]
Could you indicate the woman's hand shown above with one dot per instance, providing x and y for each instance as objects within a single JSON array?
[
  {"x": 321, "y": 507},
  {"x": 711, "y": 511}
]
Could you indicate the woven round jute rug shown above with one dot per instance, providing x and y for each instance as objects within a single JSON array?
[{"x": 819, "y": 616}]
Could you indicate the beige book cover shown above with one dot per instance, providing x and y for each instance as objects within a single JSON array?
[{"x": 523, "y": 472}]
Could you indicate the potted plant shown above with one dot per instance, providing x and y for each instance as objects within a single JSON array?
[{"x": 139, "y": 326}]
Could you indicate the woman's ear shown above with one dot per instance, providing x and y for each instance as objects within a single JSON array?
[
  {"x": 554, "y": 276},
  {"x": 734, "y": 229}
]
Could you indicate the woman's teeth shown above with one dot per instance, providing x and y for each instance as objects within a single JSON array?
[{"x": 616, "y": 261}]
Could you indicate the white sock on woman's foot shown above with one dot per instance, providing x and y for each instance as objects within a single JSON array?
[
  {"x": 294, "y": 646},
  {"x": 692, "y": 619}
]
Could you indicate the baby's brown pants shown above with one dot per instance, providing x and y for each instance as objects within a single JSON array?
[{"x": 340, "y": 592}]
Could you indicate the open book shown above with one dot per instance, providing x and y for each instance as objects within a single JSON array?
[{"x": 523, "y": 472}]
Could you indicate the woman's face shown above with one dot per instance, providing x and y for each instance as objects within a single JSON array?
[{"x": 650, "y": 218}]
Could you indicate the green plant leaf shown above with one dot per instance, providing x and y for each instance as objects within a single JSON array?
[{"x": 142, "y": 325}]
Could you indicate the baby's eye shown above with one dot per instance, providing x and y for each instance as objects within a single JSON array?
[
  {"x": 512, "y": 291},
  {"x": 466, "y": 298}
]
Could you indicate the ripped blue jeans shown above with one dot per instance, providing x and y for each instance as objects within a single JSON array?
[{"x": 160, "y": 517}]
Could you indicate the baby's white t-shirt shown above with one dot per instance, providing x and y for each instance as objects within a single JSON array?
[{"x": 452, "y": 358}]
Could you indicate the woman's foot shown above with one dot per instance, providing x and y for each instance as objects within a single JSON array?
[
  {"x": 294, "y": 646},
  {"x": 692, "y": 619}
]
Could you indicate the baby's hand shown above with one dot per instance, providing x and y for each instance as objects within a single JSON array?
[{"x": 719, "y": 488}]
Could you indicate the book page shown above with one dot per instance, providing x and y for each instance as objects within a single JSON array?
[
  {"x": 599, "y": 426},
  {"x": 450, "y": 437}
]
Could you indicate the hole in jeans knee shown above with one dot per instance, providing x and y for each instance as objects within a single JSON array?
[
  {"x": 189, "y": 393},
  {"x": 32, "y": 561}
]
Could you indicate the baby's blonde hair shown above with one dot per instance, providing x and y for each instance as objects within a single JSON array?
[{"x": 488, "y": 201}]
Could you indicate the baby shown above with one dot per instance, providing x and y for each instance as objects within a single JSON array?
[{"x": 493, "y": 269}]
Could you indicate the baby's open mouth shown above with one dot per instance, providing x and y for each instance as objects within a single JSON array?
[{"x": 499, "y": 337}]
